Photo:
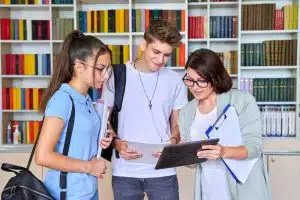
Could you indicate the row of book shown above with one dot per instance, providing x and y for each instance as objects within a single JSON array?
[
  {"x": 62, "y": 1},
  {"x": 197, "y": 27},
  {"x": 176, "y": 59},
  {"x": 13, "y": 29},
  {"x": 267, "y": 17},
  {"x": 29, "y": 131},
  {"x": 270, "y": 89},
  {"x": 26, "y": 64},
  {"x": 120, "y": 53},
  {"x": 16, "y": 29},
  {"x": 21, "y": 98},
  {"x": 40, "y": 30},
  {"x": 229, "y": 60},
  {"x": 223, "y": 26},
  {"x": 94, "y": 21},
  {"x": 61, "y": 27},
  {"x": 25, "y": 2},
  {"x": 269, "y": 53},
  {"x": 141, "y": 18},
  {"x": 278, "y": 121}
]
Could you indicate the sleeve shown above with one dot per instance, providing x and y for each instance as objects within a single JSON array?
[
  {"x": 180, "y": 98},
  {"x": 250, "y": 122},
  {"x": 59, "y": 105}
]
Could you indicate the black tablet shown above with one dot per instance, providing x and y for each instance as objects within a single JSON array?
[{"x": 176, "y": 155}]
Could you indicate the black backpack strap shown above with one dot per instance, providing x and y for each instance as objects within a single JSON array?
[
  {"x": 63, "y": 175},
  {"x": 120, "y": 85}
]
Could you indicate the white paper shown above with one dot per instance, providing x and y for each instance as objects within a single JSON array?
[
  {"x": 147, "y": 151},
  {"x": 230, "y": 135},
  {"x": 103, "y": 110}
]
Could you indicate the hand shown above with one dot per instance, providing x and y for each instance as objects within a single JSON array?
[
  {"x": 212, "y": 152},
  {"x": 106, "y": 141},
  {"x": 127, "y": 153},
  {"x": 97, "y": 167},
  {"x": 157, "y": 154}
]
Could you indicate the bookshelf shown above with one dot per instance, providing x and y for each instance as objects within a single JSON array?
[{"x": 221, "y": 28}]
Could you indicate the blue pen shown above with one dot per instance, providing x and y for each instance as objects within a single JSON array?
[{"x": 209, "y": 130}]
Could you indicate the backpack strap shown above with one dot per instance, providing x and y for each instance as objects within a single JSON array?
[
  {"x": 120, "y": 85},
  {"x": 63, "y": 175}
]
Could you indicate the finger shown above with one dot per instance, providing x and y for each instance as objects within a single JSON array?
[
  {"x": 213, "y": 152},
  {"x": 208, "y": 156},
  {"x": 131, "y": 150},
  {"x": 106, "y": 139},
  {"x": 210, "y": 147}
]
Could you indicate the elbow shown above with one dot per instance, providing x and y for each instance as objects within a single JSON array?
[
  {"x": 40, "y": 158},
  {"x": 254, "y": 151}
]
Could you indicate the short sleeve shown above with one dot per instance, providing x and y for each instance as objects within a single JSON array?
[
  {"x": 180, "y": 98},
  {"x": 59, "y": 105}
]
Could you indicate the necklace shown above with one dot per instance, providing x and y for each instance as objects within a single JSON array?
[{"x": 149, "y": 100}]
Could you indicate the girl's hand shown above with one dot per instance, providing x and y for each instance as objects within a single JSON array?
[
  {"x": 106, "y": 141},
  {"x": 212, "y": 152},
  {"x": 97, "y": 167}
]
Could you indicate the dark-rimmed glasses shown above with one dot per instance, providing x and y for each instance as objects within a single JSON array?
[
  {"x": 190, "y": 82},
  {"x": 102, "y": 69}
]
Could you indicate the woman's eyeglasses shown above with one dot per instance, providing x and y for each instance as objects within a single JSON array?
[
  {"x": 102, "y": 69},
  {"x": 190, "y": 82}
]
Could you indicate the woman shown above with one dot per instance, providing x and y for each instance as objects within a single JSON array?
[
  {"x": 211, "y": 87},
  {"x": 84, "y": 63}
]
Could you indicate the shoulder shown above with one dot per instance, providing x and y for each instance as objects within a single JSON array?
[
  {"x": 59, "y": 105},
  {"x": 188, "y": 108},
  {"x": 239, "y": 97},
  {"x": 171, "y": 74}
]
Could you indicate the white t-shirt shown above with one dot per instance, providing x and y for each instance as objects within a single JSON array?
[
  {"x": 137, "y": 123},
  {"x": 213, "y": 176}
]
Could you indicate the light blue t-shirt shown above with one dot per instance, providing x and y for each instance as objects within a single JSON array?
[{"x": 83, "y": 145}]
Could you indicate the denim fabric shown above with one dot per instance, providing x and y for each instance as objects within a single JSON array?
[{"x": 161, "y": 188}]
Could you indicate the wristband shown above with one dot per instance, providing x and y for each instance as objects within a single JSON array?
[{"x": 174, "y": 138}]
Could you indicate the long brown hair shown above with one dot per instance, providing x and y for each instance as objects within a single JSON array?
[{"x": 76, "y": 46}]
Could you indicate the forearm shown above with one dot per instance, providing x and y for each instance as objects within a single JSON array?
[
  {"x": 238, "y": 153},
  {"x": 175, "y": 135},
  {"x": 60, "y": 162}
]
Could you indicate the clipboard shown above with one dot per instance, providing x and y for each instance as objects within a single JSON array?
[{"x": 177, "y": 155}]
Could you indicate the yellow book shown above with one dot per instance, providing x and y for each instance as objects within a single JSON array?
[
  {"x": 89, "y": 21},
  {"x": 35, "y": 98},
  {"x": 6, "y": 1},
  {"x": 105, "y": 21},
  {"x": 31, "y": 64},
  {"x": 36, "y": 1},
  {"x": 295, "y": 16},
  {"x": 95, "y": 22},
  {"x": 125, "y": 53},
  {"x": 21, "y": 29},
  {"x": 25, "y": 64},
  {"x": 27, "y": 133},
  {"x": 117, "y": 21},
  {"x": 114, "y": 54},
  {"x": 18, "y": 98},
  {"x": 122, "y": 21},
  {"x": 35, "y": 129}
]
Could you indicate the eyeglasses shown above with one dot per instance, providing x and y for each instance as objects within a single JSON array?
[
  {"x": 102, "y": 69},
  {"x": 190, "y": 82}
]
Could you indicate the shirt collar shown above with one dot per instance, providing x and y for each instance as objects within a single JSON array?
[{"x": 75, "y": 94}]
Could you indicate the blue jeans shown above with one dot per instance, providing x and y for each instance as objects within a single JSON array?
[{"x": 161, "y": 188}]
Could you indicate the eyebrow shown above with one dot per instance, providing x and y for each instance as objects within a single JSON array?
[{"x": 166, "y": 54}]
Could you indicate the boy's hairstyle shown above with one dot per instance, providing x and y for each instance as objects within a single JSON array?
[
  {"x": 209, "y": 66},
  {"x": 162, "y": 31},
  {"x": 76, "y": 46}
]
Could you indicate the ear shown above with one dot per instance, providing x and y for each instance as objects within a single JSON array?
[
  {"x": 78, "y": 67},
  {"x": 143, "y": 44}
]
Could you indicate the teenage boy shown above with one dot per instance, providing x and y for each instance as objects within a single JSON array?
[{"x": 151, "y": 103}]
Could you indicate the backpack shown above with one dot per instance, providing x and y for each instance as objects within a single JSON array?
[
  {"x": 25, "y": 185},
  {"x": 119, "y": 71}
]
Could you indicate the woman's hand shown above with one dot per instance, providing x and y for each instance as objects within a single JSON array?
[
  {"x": 106, "y": 141},
  {"x": 212, "y": 152},
  {"x": 97, "y": 167}
]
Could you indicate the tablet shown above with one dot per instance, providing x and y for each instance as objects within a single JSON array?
[{"x": 182, "y": 154}]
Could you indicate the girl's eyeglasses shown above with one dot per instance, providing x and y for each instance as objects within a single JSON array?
[
  {"x": 102, "y": 69},
  {"x": 190, "y": 82}
]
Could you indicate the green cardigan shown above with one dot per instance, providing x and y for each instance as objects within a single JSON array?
[{"x": 257, "y": 184}]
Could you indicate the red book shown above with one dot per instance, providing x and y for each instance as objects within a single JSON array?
[
  {"x": 8, "y": 63},
  {"x": 13, "y": 64},
  {"x": 21, "y": 64}
]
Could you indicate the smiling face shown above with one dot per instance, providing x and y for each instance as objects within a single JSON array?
[
  {"x": 199, "y": 87},
  {"x": 156, "y": 54}
]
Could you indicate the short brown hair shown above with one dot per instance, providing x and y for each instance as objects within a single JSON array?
[
  {"x": 209, "y": 66},
  {"x": 164, "y": 32}
]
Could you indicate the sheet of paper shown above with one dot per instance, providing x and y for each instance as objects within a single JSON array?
[
  {"x": 103, "y": 111},
  {"x": 147, "y": 151},
  {"x": 230, "y": 135}
]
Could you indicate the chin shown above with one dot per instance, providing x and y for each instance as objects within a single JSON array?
[{"x": 155, "y": 67}]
